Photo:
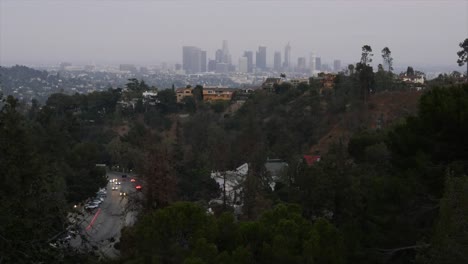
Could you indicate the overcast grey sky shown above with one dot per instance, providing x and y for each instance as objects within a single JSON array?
[{"x": 148, "y": 32}]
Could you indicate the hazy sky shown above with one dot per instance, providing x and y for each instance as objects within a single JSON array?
[{"x": 149, "y": 32}]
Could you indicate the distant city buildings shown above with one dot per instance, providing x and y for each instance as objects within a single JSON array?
[
  {"x": 301, "y": 64},
  {"x": 312, "y": 64},
  {"x": 337, "y": 65},
  {"x": 128, "y": 68},
  {"x": 318, "y": 63},
  {"x": 277, "y": 61},
  {"x": 249, "y": 56},
  {"x": 192, "y": 59},
  {"x": 261, "y": 58},
  {"x": 195, "y": 61},
  {"x": 287, "y": 58},
  {"x": 243, "y": 65}
]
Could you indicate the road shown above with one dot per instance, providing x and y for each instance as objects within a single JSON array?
[{"x": 101, "y": 226}]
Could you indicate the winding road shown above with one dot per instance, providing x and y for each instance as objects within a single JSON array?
[{"x": 100, "y": 227}]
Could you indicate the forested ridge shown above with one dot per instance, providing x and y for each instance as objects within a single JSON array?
[{"x": 395, "y": 193}]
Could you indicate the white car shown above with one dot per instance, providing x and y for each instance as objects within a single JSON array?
[{"x": 91, "y": 206}]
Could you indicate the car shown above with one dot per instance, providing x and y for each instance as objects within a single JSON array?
[
  {"x": 124, "y": 175},
  {"x": 123, "y": 194},
  {"x": 114, "y": 188},
  {"x": 138, "y": 187},
  {"x": 100, "y": 198},
  {"x": 132, "y": 180},
  {"x": 91, "y": 206},
  {"x": 118, "y": 183}
]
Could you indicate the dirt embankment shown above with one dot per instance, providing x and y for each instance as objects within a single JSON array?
[{"x": 380, "y": 111}]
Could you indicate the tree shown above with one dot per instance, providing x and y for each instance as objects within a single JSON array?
[
  {"x": 366, "y": 55},
  {"x": 463, "y": 56},
  {"x": 387, "y": 57},
  {"x": 366, "y": 73},
  {"x": 351, "y": 69}
]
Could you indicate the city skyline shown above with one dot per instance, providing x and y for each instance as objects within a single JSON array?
[{"x": 153, "y": 32}]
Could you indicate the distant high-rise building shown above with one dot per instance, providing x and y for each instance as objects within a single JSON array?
[
  {"x": 192, "y": 59},
  {"x": 243, "y": 65},
  {"x": 203, "y": 61},
  {"x": 277, "y": 61},
  {"x": 222, "y": 67},
  {"x": 287, "y": 57},
  {"x": 212, "y": 65},
  {"x": 226, "y": 55},
  {"x": 249, "y": 56},
  {"x": 219, "y": 56},
  {"x": 318, "y": 63},
  {"x": 312, "y": 64},
  {"x": 261, "y": 58},
  {"x": 337, "y": 65},
  {"x": 301, "y": 63}
]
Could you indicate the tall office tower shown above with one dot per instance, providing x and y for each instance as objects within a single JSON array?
[
  {"x": 312, "y": 64},
  {"x": 212, "y": 65},
  {"x": 243, "y": 65},
  {"x": 219, "y": 56},
  {"x": 261, "y": 58},
  {"x": 191, "y": 59},
  {"x": 301, "y": 63},
  {"x": 249, "y": 56},
  {"x": 277, "y": 61},
  {"x": 287, "y": 57},
  {"x": 203, "y": 61},
  {"x": 226, "y": 55},
  {"x": 337, "y": 65},
  {"x": 318, "y": 64}
]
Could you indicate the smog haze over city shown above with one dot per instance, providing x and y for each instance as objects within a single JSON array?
[{"x": 419, "y": 33}]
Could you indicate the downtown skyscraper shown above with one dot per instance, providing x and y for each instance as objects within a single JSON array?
[
  {"x": 193, "y": 59},
  {"x": 261, "y": 58}
]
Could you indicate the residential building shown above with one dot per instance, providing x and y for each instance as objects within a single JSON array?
[
  {"x": 270, "y": 82},
  {"x": 296, "y": 82},
  {"x": 218, "y": 94},
  {"x": 181, "y": 93}
]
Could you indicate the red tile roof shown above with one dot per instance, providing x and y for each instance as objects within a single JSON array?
[{"x": 311, "y": 159}]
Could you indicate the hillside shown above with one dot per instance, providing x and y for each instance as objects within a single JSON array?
[{"x": 382, "y": 110}]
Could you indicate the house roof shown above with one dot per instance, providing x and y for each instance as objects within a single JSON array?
[{"x": 311, "y": 159}]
